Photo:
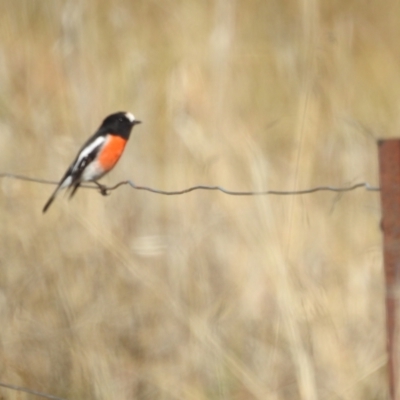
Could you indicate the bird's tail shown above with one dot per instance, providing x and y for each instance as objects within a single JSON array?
[
  {"x": 51, "y": 199},
  {"x": 68, "y": 182},
  {"x": 75, "y": 188}
]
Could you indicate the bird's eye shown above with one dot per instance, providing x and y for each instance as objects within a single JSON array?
[{"x": 120, "y": 119}]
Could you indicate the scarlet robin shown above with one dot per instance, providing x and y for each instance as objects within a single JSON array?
[{"x": 99, "y": 154}]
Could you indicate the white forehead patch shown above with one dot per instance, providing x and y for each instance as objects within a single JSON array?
[{"x": 130, "y": 116}]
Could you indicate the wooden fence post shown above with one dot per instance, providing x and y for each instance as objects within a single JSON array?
[{"x": 389, "y": 167}]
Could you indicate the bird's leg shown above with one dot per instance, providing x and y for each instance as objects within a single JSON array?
[{"x": 102, "y": 188}]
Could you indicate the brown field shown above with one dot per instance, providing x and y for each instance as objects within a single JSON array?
[{"x": 202, "y": 296}]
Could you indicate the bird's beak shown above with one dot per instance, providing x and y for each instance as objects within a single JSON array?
[{"x": 136, "y": 122}]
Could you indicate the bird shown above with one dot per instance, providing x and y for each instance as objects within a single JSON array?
[{"x": 99, "y": 154}]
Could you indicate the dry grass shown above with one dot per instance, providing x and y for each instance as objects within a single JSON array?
[{"x": 202, "y": 296}]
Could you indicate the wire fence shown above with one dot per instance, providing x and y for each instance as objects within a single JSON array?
[
  {"x": 105, "y": 190},
  {"x": 30, "y": 391}
]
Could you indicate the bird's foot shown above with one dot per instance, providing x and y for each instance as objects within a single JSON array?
[{"x": 102, "y": 188}]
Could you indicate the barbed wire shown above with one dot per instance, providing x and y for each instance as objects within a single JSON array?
[
  {"x": 105, "y": 190},
  {"x": 30, "y": 391}
]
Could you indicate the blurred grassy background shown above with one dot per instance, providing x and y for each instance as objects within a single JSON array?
[{"x": 201, "y": 296}]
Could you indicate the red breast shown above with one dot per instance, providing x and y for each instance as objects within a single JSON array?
[{"x": 111, "y": 151}]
